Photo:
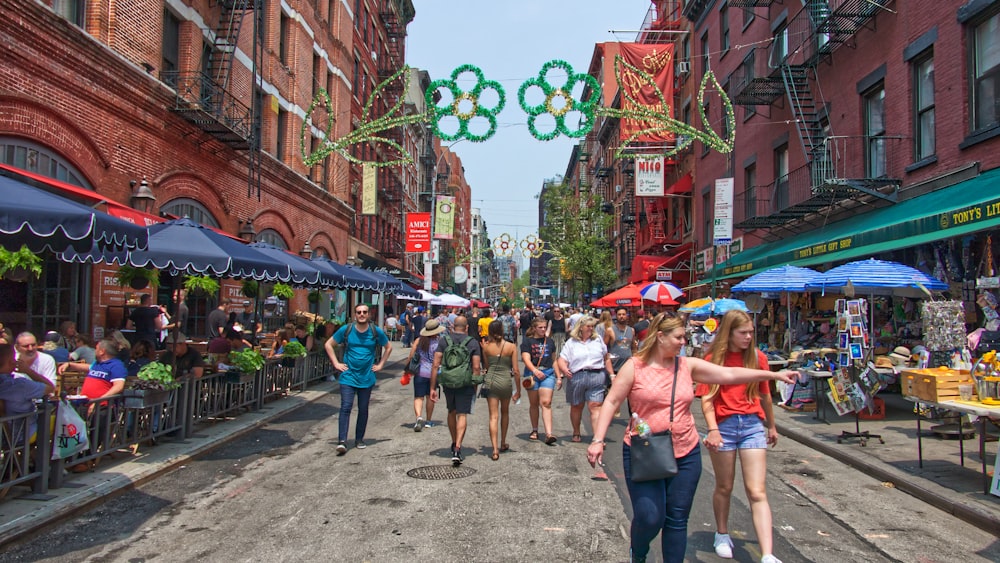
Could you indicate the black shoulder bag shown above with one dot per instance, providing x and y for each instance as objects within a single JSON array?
[{"x": 653, "y": 457}]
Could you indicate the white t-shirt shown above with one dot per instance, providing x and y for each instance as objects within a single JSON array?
[
  {"x": 581, "y": 355},
  {"x": 44, "y": 365},
  {"x": 571, "y": 321}
]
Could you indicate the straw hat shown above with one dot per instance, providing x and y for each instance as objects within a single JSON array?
[
  {"x": 432, "y": 328},
  {"x": 900, "y": 354}
]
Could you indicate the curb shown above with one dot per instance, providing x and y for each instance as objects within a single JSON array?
[{"x": 902, "y": 481}]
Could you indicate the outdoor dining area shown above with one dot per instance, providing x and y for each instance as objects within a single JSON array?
[{"x": 168, "y": 401}]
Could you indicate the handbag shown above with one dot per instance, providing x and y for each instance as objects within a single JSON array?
[
  {"x": 413, "y": 367},
  {"x": 71, "y": 432},
  {"x": 652, "y": 457}
]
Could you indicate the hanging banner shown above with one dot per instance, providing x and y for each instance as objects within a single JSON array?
[
  {"x": 418, "y": 232},
  {"x": 444, "y": 217},
  {"x": 369, "y": 189},
  {"x": 722, "y": 233},
  {"x": 657, "y": 60},
  {"x": 649, "y": 176}
]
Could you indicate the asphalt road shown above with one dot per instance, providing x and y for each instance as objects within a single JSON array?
[{"x": 280, "y": 494}]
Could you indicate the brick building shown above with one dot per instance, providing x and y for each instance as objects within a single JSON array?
[{"x": 101, "y": 95}]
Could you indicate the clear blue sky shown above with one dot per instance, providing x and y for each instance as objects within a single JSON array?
[{"x": 511, "y": 41}]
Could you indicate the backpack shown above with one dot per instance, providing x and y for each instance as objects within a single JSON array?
[
  {"x": 456, "y": 364},
  {"x": 526, "y": 318},
  {"x": 342, "y": 348},
  {"x": 509, "y": 328}
]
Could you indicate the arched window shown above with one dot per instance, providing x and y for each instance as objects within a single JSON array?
[
  {"x": 35, "y": 158},
  {"x": 185, "y": 207},
  {"x": 272, "y": 237}
]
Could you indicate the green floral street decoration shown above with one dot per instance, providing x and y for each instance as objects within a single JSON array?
[
  {"x": 464, "y": 105},
  {"x": 372, "y": 131},
  {"x": 660, "y": 120},
  {"x": 564, "y": 93}
]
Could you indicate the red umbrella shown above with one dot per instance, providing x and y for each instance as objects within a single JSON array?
[
  {"x": 628, "y": 296},
  {"x": 480, "y": 304}
]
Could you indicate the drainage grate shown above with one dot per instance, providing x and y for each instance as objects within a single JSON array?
[{"x": 440, "y": 472}]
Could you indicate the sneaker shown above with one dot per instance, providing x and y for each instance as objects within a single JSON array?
[
  {"x": 769, "y": 559},
  {"x": 360, "y": 444},
  {"x": 419, "y": 425},
  {"x": 724, "y": 546},
  {"x": 456, "y": 457},
  {"x": 341, "y": 448},
  {"x": 428, "y": 424}
]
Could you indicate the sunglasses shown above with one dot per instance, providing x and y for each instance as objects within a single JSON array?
[{"x": 365, "y": 312}]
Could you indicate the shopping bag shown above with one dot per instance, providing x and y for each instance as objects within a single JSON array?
[{"x": 71, "y": 432}]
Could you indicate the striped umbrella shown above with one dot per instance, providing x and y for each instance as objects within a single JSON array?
[
  {"x": 782, "y": 278},
  {"x": 662, "y": 293},
  {"x": 877, "y": 277}
]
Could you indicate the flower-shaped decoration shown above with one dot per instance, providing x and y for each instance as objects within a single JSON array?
[
  {"x": 585, "y": 107},
  {"x": 532, "y": 246},
  {"x": 471, "y": 97},
  {"x": 504, "y": 245}
]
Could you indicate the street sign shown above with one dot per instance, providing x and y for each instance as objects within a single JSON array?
[{"x": 722, "y": 232}]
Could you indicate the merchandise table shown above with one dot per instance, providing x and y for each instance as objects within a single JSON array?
[
  {"x": 979, "y": 410},
  {"x": 820, "y": 381}
]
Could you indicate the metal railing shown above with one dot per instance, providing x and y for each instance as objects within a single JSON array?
[
  {"x": 118, "y": 422},
  {"x": 198, "y": 92}
]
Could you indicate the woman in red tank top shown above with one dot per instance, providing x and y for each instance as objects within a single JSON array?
[
  {"x": 740, "y": 419},
  {"x": 661, "y": 507}
]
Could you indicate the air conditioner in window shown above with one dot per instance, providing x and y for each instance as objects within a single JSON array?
[{"x": 683, "y": 67}]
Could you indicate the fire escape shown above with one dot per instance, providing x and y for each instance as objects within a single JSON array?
[
  {"x": 204, "y": 98},
  {"x": 838, "y": 168},
  {"x": 391, "y": 244}
]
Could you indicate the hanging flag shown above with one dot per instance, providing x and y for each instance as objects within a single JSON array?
[
  {"x": 418, "y": 232},
  {"x": 657, "y": 60},
  {"x": 369, "y": 189},
  {"x": 444, "y": 217}
]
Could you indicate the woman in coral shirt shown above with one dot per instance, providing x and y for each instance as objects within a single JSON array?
[{"x": 740, "y": 419}]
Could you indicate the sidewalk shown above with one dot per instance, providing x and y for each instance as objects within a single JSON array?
[{"x": 942, "y": 481}]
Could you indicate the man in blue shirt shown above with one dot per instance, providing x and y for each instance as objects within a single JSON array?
[
  {"x": 17, "y": 395},
  {"x": 358, "y": 367}
]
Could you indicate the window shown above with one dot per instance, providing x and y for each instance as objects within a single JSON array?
[
  {"x": 705, "y": 54},
  {"x": 356, "y": 78},
  {"x": 750, "y": 190},
  {"x": 706, "y": 112},
  {"x": 317, "y": 74},
  {"x": 986, "y": 73},
  {"x": 780, "y": 45},
  {"x": 780, "y": 177},
  {"x": 724, "y": 29},
  {"x": 39, "y": 160},
  {"x": 272, "y": 237},
  {"x": 206, "y": 59},
  {"x": 748, "y": 16},
  {"x": 279, "y": 145},
  {"x": 283, "y": 39},
  {"x": 706, "y": 217},
  {"x": 923, "y": 107},
  {"x": 184, "y": 207},
  {"x": 72, "y": 10},
  {"x": 171, "y": 42},
  {"x": 874, "y": 128}
]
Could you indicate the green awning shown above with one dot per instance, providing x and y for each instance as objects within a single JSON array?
[{"x": 966, "y": 207}]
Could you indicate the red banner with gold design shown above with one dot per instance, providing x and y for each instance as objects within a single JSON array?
[{"x": 657, "y": 61}]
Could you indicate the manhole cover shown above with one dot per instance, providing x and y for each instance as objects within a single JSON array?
[{"x": 440, "y": 472}]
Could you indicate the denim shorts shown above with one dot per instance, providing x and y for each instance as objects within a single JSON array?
[
  {"x": 742, "y": 432},
  {"x": 421, "y": 386},
  {"x": 548, "y": 383}
]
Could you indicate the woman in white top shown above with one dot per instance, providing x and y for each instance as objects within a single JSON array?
[{"x": 585, "y": 362}]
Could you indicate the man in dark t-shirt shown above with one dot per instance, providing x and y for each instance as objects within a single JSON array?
[
  {"x": 189, "y": 361},
  {"x": 146, "y": 320},
  {"x": 215, "y": 323}
]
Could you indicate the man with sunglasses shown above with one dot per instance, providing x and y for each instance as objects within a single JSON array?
[{"x": 357, "y": 368}]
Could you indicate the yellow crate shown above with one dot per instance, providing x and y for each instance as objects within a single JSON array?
[{"x": 937, "y": 384}]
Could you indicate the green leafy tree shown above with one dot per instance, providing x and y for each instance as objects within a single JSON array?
[{"x": 575, "y": 232}]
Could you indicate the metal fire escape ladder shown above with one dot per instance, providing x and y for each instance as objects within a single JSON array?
[
  {"x": 227, "y": 36},
  {"x": 656, "y": 220},
  {"x": 805, "y": 108},
  {"x": 257, "y": 101}
]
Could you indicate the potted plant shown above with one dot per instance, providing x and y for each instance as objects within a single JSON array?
[
  {"x": 283, "y": 291},
  {"x": 292, "y": 351},
  {"x": 18, "y": 265},
  {"x": 201, "y": 285},
  {"x": 137, "y": 278},
  {"x": 151, "y": 387},
  {"x": 250, "y": 289},
  {"x": 314, "y": 296},
  {"x": 245, "y": 365}
]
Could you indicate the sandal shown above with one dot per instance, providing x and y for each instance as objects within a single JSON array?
[
  {"x": 504, "y": 447},
  {"x": 496, "y": 455},
  {"x": 577, "y": 438},
  {"x": 550, "y": 439},
  {"x": 533, "y": 435}
]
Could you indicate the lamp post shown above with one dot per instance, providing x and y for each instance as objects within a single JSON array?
[
  {"x": 142, "y": 198},
  {"x": 428, "y": 264}
]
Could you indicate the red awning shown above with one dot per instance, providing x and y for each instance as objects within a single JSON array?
[
  {"x": 644, "y": 266},
  {"x": 682, "y": 186}
]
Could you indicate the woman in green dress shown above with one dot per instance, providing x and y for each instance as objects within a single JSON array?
[{"x": 500, "y": 382}]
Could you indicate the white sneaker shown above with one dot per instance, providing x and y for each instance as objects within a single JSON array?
[
  {"x": 419, "y": 425},
  {"x": 769, "y": 559},
  {"x": 724, "y": 546}
]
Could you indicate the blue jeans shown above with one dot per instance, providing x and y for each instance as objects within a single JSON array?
[
  {"x": 347, "y": 394},
  {"x": 662, "y": 505}
]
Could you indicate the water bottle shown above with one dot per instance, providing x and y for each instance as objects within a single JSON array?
[{"x": 641, "y": 426}]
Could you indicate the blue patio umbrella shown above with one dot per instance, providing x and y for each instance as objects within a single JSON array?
[
  {"x": 304, "y": 272},
  {"x": 41, "y": 220},
  {"x": 781, "y": 279},
  {"x": 395, "y": 286},
  {"x": 877, "y": 277},
  {"x": 721, "y": 307},
  {"x": 354, "y": 278}
]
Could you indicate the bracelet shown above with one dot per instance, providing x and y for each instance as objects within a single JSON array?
[
  {"x": 714, "y": 430},
  {"x": 596, "y": 441}
]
